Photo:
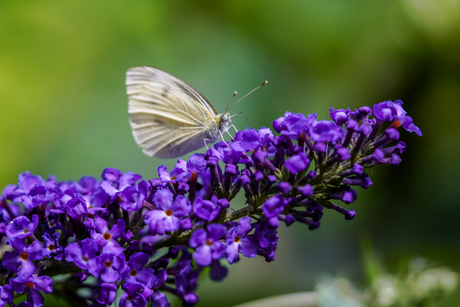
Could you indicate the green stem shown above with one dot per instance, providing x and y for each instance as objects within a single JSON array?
[{"x": 237, "y": 214}]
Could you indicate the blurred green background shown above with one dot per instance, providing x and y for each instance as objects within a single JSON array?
[{"x": 64, "y": 107}]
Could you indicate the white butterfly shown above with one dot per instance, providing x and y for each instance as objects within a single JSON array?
[{"x": 168, "y": 117}]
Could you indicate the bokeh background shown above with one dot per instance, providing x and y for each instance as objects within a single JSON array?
[{"x": 63, "y": 107}]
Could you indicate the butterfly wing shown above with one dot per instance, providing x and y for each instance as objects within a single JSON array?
[{"x": 168, "y": 117}]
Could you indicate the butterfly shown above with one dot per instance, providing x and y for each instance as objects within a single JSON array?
[{"x": 168, "y": 117}]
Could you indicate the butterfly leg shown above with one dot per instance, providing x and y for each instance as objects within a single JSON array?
[
  {"x": 232, "y": 125},
  {"x": 222, "y": 137},
  {"x": 227, "y": 130},
  {"x": 206, "y": 143}
]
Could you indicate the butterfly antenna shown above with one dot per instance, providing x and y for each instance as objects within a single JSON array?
[
  {"x": 265, "y": 82},
  {"x": 244, "y": 116},
  {"x": 234, "y": 94}
]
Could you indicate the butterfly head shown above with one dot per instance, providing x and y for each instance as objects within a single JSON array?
[{"x": 223, "y": 119}]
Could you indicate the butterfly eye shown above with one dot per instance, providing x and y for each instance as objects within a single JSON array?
[{"x": 224, "y": 118}]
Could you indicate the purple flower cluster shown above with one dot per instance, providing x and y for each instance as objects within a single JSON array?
[{"x": 109, "y": 235}]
